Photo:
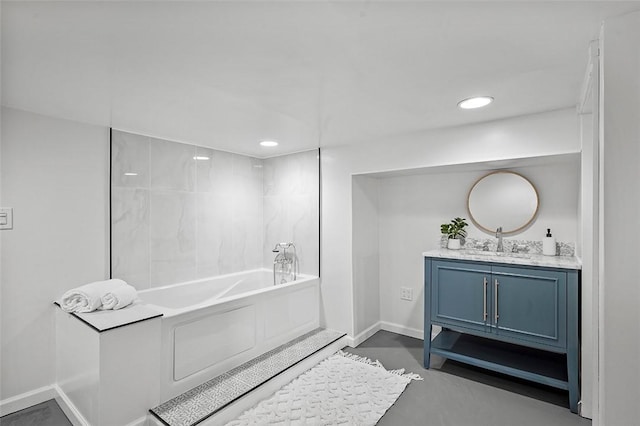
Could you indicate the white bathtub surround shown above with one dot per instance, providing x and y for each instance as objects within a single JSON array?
[
  {"x": 291, "y": 207},
  {"x": 342, "y": 389},
  {"x": 182, "y": 212},
  {"x": 205, "y": 400}
]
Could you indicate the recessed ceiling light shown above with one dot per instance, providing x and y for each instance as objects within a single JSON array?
[
  {"x": 475, "y": 102},
  {"x": 200, "y": 158},
  {"x": 130, "y": 174},
  {"x": 269, "y": 143}
]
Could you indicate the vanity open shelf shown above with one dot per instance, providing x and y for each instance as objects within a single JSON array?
[
  {"x": 505, "y": 316},
  {"x": 526, "y": 363}
]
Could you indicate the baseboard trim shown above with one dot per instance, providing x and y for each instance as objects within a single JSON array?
[
  {"x": 73, "y": 414},
  {"x": 26, "y": 400},
  {"x": 386, "y": 326},
  {"x": 401, "y": 329},
  {"x": 361, "y": 337}
]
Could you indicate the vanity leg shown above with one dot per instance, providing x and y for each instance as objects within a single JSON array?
[
  {"x": 427, "y": 346},
  {"x": 426, "y": 360},
  {"x": 573, "y": 348}
]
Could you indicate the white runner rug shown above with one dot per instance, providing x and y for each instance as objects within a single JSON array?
[{"x": 344, "y": 389}]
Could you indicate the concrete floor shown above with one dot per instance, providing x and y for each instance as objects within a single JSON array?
[
  {"x": 47, "y": 413},
  {"x": 453, "y": 394}
]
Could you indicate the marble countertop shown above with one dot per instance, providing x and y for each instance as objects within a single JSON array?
[{"x": 562, "y": 262}]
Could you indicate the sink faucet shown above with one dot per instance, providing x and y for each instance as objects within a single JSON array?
[{"x": 500, "y": 247}]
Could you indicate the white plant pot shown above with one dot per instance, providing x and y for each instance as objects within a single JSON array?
[{"x": 453, "y": 244}]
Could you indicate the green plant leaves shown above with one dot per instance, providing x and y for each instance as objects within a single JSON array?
[{"x": 455, "y": 229}]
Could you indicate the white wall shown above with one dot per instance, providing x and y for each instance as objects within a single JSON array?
[
  {"x": 413, "y": 207},
  {"x": 536, "y": 135},
  {"x": 366, "y": 253},
  {"x": 588, "y": 236},
  {"x": 55, "y": 176},
  {"x": 620, "y": 210},
  {"x": 1, "y": 203}
]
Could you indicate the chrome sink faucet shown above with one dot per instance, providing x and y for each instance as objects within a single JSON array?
[{"x": 500, "y": 247}]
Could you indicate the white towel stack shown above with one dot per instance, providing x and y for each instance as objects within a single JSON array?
[{"x": 110, "y": 294}]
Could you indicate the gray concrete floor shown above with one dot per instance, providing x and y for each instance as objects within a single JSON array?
[
  {"x": 47, "y": 413},
  {"x": 454, "y": 394}
]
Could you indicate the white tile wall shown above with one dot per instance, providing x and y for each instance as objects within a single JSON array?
[
  {"x": 291, "y": 207},
  {"x": 180, "y": 219}
]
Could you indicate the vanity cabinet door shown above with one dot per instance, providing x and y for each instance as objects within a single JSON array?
[
  {"x": 460, "y": 294},
  {"x": 529, "y": 304}
]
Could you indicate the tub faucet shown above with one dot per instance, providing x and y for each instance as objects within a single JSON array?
[
  {"x": 500, "y": 247},
  {"x": 286, "y": 264}
]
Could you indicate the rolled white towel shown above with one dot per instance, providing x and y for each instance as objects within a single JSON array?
[
  {"x": 87, "y": 298},
  {"x": 119, "y": 297}
]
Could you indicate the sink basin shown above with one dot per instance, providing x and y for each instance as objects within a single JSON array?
[{"x": 497, "y": 254}]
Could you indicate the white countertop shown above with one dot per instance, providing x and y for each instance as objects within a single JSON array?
[{"x": 562, "y": 262}]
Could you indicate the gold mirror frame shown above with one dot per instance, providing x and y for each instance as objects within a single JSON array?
[{"x": 495, "y": 193}]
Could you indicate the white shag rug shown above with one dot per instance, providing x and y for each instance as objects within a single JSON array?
[{"x": 344, "y": 389}]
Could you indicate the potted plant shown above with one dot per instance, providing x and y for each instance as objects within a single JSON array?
[{"x": 455, "y": 232}]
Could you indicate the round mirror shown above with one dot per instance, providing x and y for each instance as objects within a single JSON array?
[{"x": 502, "y": 199}]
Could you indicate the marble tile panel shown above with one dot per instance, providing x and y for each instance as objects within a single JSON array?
[
  {"x": 172, "y": 237},
  {"x": 563, "y": 262},
  {"x": 247, "y": 176},
  {"x": 276, "y": 176},
  {"x": 303, "y": 173},
  {"x": 214, "y": 235},
  {"x": 172, "y": 165},
  {"x": 129, "y": 160},
  {"x": 513, "y": 245},
  {"x": 227, "y": 226},
  {"x": 247, "y": 232},
  {"x": 216, "y": 174},
  {"x": 302, "y": 217},
  {"x": 274, "y": 229},
  {"x": 130, "y": 236}
]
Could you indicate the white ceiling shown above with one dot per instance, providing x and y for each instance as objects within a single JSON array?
[{"x": 308, "y": 74}]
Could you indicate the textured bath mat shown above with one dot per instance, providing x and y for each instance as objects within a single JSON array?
[{"x": 344, "y": 389}]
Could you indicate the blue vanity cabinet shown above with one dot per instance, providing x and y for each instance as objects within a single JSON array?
[
  {"x": 530, "y": 305},
  {"x": 459, "y": 295},
  {"x": 514, "y": 319}
]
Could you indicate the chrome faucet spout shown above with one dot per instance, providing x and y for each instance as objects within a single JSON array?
[{"x": 500, "y": 247}]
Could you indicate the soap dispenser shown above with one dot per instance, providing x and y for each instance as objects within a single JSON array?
[{"x": 549, "y": 244}]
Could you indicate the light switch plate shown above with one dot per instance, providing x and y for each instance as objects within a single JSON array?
[{"x": 6, "y": 218}]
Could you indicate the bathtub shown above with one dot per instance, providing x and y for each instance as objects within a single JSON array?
[{"x": 212, "y": 325}]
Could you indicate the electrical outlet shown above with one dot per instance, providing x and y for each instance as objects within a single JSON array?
[{"x": 406, "y": 293}]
